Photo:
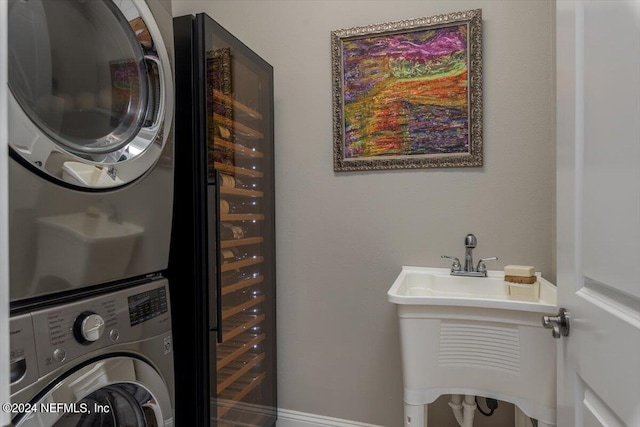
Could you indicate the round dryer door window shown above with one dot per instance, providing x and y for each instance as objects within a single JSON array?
[{"x": 91, "y": 95}]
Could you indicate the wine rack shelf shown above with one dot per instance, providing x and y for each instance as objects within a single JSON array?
[
  {"x": 237, "y": 148},
  {"x": 235, "y": 394},
  {"x": 242, "y": 217},
  {"x": 225, "y": 244},
  {"x": 233, "y": 170},
  {"x": 228, "y": 312},
  {"x": 229, "y": 375},
  {"x": 250, "y": 112},
  {"x": 227, "y": 354},
  {"x": 240, "y": 264},
  {"x": 238, "y": 128},
  {"x": 227, "y": 289},
  {"x": 238, "y": 324},
  {"x": 240, "y": 192}
]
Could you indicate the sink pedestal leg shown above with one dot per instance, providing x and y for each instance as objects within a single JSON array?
[
  {"x": 523, "y": 420},
  {"x": 414, "y": 415}
]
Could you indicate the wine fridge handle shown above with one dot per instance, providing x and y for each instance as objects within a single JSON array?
[{"x": 218, "y": 258}]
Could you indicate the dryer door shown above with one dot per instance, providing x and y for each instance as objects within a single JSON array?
[
  {"x": 113, "y": 392},
  {"x": 91, "y": 90}
]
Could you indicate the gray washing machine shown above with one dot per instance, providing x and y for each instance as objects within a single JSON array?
[
  {"x": 91, "y": 143},
  {"x": 101, "y": 361}
]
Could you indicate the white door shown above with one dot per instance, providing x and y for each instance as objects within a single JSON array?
[{"x": 598, "y": 202}]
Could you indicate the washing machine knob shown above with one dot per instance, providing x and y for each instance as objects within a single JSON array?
[{"x": 88, "y": 327}]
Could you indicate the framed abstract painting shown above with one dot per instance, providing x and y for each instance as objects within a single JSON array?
[{"x": 408, "y": 94}]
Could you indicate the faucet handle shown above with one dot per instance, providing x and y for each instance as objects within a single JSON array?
[
  {"x": 456, "y": 263},
  {"x": 482, "y": 268}
]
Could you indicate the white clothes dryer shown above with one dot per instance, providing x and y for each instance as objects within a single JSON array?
[
  {"x": 101, "y": 361},
  {"x": 91, "y": 142}
]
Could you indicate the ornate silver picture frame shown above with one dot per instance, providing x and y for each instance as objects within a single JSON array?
[{"x": 408, "y": 94}]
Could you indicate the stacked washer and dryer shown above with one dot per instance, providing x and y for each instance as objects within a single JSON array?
[{"x": 90, "y": 202}]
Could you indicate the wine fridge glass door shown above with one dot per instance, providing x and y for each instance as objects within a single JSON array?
[{"x": 239, "y": 126}]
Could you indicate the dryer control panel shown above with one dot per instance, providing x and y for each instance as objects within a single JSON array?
[{"x": 90, "y": 326}]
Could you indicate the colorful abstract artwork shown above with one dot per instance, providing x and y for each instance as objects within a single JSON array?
[{"x": 407, "y": 98}]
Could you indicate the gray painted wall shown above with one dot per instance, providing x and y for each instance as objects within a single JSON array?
[{"x": 342, "y": 238}]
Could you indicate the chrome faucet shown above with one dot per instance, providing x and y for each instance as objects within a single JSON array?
[
  {"x": 470, "y": 243},
  {"x": 480, "y": 270}
]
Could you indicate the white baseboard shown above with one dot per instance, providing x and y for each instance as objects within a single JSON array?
[{"x": 288, "y": 418}]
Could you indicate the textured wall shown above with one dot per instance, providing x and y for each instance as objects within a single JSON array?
[{"x": 342, "y": 238}]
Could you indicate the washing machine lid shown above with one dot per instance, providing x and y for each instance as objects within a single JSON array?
[
  {"x": 91, "y": 89},
  {"x": 113, "y": 392}
]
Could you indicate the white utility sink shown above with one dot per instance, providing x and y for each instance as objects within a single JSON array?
[
  {"x": 436, "y": 286},
  {"x": 469, "y": 336}
]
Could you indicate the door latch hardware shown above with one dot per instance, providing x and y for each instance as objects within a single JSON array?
[{"x": 559, "y": 325}]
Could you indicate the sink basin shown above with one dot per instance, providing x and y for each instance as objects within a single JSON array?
[
  {"x": 470, "y": 336},
  {"x": 436, "y": 286}
]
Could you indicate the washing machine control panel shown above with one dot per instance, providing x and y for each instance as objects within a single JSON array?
[
  {"x": 88, "y": 327},
  {"x": 91, "y": 326},
  {"x": 147, "y": 305}
]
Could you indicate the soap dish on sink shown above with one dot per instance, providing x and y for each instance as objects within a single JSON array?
[{"x": 524, "y": 292}]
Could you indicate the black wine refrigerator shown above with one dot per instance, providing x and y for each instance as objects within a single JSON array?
[{"x": 222, "y": 262}]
